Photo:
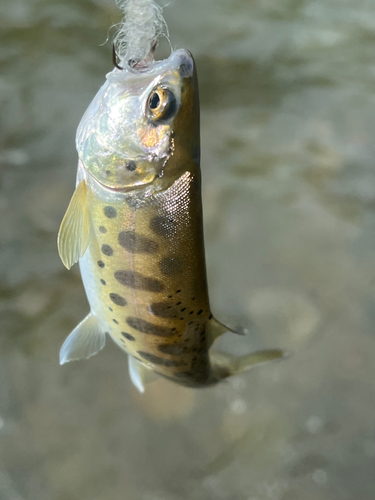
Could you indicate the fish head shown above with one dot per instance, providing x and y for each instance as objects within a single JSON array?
[{"x": 139, "y": 121}]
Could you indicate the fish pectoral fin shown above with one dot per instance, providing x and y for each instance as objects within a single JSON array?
[
  {"x": 140, "y": 375},
  {"x": 74, "y": 232},
  {"x": 86, "y": 339},
  {"x": 225, "y": 365},
  {"x": 214, "y": 329}
]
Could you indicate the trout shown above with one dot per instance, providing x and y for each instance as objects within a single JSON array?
[{"x": 135, "y": 225}]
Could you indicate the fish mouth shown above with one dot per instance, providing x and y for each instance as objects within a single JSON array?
[{"x": 179, "y": 60}]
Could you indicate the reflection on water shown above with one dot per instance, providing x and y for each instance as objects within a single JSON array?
[{"x": 288, "y": 113}]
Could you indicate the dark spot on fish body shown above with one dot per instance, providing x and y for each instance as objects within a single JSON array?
[
  {"x": 163, "y": 226},
  {"x": 138, "y": 281},
  {"x": 162, "y": 310},
  {"x": 145, "y": 327},
  {"x": 171, "y": 348},
  {"x": 110, "y": 212},
  {"x": 102, "y": 229},
  {"x": 130, "y": 165},
  {"x": 107, "y": 250},
  {"x": 103, "y": 282},
  {"x": 159, "y": 361},
  {"x": 117, "y": 299},
  {"x": 110, "y": 308},
  {"x": 101, "y": 263},
  {"x": 115, "y": 321},
  {"x": 136, "y": 243},
  {"x": 171, "y": 266},
  {"x": 128, "y": 336}
]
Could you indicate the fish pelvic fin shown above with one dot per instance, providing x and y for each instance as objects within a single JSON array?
[
  {"x": 74, "y": 232},
  {"x": 225, "y": 365},
  {"x": 139, "y": 374},
  {"x": 214, "y": 329},
  {"x": 86, "y": 339}
]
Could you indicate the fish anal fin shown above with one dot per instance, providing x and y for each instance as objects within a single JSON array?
[
  {"x": 225, "y": 365},
  {"x": 215, "y": 329},
  {"x": 86, "y": 339},
  {"x": 139, "y": 374},
  {"x": 74, "y": 232}
]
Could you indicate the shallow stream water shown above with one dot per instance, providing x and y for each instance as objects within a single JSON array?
[{"x": 288, "y": 120}]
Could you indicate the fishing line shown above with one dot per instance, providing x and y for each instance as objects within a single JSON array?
[{"x": 136, "y": 40}]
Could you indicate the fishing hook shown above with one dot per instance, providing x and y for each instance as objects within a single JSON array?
[
  {"x": 136, "y": 63},
  {"x": 114, "y": 58}
]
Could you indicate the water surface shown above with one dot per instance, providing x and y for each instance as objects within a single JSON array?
[{"x": 288, "y": 119}]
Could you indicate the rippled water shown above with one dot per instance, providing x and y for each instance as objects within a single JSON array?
[{"x": 288, "y": 117}]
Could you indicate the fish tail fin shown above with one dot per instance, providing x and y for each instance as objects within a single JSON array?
[
  {"x": 225, "y": 365},
  {"x": 87, "y": 338}
]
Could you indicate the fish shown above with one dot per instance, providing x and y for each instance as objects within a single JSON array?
[{"x": 135, "y": 225}]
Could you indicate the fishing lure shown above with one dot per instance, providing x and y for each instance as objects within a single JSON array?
[{"x": 134, "y": 223}]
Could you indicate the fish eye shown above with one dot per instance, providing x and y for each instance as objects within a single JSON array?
[
  {"x": 154, "y": 101},
  {"x": 162, "y": 104}
]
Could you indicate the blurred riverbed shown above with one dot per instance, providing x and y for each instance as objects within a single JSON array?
[{"x": 288, "y": 119}]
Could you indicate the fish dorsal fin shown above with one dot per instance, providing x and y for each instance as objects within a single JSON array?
[
  {"x": 225, "y": 365},
  {"x": 214, "y": 329},
  {"x": 74, "y": 233},
  {"x": 86, "y": 339},
  {"x": 140, "y": 375}
]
